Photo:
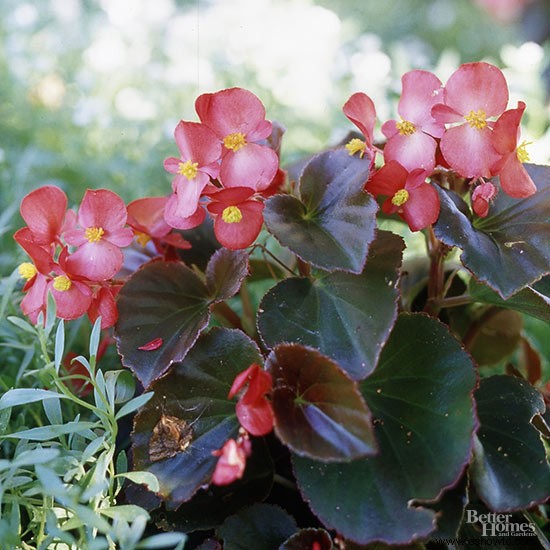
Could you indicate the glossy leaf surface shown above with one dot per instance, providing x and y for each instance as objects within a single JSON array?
[
  {"x": 319, "y": 411},
  {"x": 196, "y": 391},
  {"x": 509, "y": 470},
  {"x": 347, "y": 317},
  {"x": 510, "y": 248},
  {"x": 421, "y": 398},
  {"x": 332, "y": 223}
]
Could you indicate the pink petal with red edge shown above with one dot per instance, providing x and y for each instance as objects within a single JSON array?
[
  {"x": 416, "y": 178},
  {"x": 256, "y": 418},
  {"x": 481, "y": 198},
  {"x": 414, "y": 151},
  {"x": 230, "y": 111},
  {"x": 197, "y": 143},
  {"x": 388, "y": 180},
  {"x": 360, "y": 109},
  {"x": 102, "y": 208},
  {"x": 475, "y": 86},
  {"x": 239, "y": 235},
  {"x": 469, "y": 151},
  {"x": 177, "y": 241},
  {"x": 262, "y": 131},
  {"x": 97, "y": 261},
  {"x": 506, "y": 129},
  {"x": 422, "y": 208},
  {"x": 75, "y": 237},
  {"x": 172, "y": 165},
  {"x": 44, "y": 212},
  {"x": 252, "y": 166},
  {"x": 228, "y": 197},
  {"x": 174, "y": 219},
  {"x": 240, "y": 380},
  {"x": 515, "y": 180},
  {"x": 147, "y": 215},
  {"x": 188, "y": 193},
  {"x": 103, "y": 305},
  {"x": 421, "y": 91},
  {"x": 389, "y": 128}
]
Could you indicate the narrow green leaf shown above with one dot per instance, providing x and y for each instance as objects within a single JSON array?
[
  {"x": 59, "y": 349},
  {"x": 45, "y": 433},
  {"x": 24, "y": 396},
  {"x": 133, "y": 405},
  {"x": 22, "y": 324},
  {"x": 145, "y": 478}
]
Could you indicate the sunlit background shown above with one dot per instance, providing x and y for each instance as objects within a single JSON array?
[{"x": 91, "y": 90}]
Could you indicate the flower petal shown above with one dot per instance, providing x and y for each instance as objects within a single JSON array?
[
  {"x": 469, "y": 150},
  {"x": 252, "y": 166},
  {"x": 256, "y": 417},
  {"x": 388, "y": 180},
  {"x": 359, "y": 108},
  {"x": 44, "y": 212},
  {"x": 514, "y": 179},
  {"x": 102, "y": 208},
  {"x": 72, "y": 303},
  {"x": 475, "y": 86},
  {"x": 147, "y": 215},
  {"x": 422, "y": 208},
  {"x": 97, "y": 261},
  {"x": 506, "y": 129},
  {"x": 174, "y": 219},
  {"x": 414, "y": 151},
  {"x": 197, "y": 143},
  {"x": 238, "y": 235}
]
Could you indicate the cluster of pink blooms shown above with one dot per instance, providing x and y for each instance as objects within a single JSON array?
[
  {"x": 463, "y": 126},
  {"x": 256, "y": 417},
  {"x": 225, "y": 168}
]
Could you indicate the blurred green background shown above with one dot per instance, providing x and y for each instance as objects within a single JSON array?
[{"x": 91, "y": 90}]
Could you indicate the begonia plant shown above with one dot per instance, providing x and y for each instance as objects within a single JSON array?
[{"x": 317, "y": 336}]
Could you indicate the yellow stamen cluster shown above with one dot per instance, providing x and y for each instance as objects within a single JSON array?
[
  {"x": 400, "y": 198},
  {"x": 356, "y": 145},
  {"x": 476, "y": 119},
  {"x": 27, "y": 270},
  {"x": 188, "y": 169},
  {"x": 232, "y": 214},
  {"x": 142, "y": 238},
  {"x": 94, "y": 234},
  {"x": 406, "y": 128},
  {"x": 522, "y": 153},
  {"x": 234, "y": 141},
  {"x": 62, "y": 283}
]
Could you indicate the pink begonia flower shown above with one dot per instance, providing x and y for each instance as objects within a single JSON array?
[
  {"x": 200, "y": 152},
  {"x": 103, "y": 305},
  {"x": 416, "y": 201},
  {"x": 474, "y": 93},
  {"x": 238, "y": 218},
  {"x": 359, "y": 108},
  {"x": 146, "y": 218},
  {"x": 254, "y": 410},
  {"x": 237, "y": 117},
  {"x": 514, "y": 179},
  {"x": 102, "y": 218},
  {"x": 44, "y": 211},
  {"x": 411, "y": 141},
  {"x": 232, "y": 462},
  {"x": 482, "y": 196}
]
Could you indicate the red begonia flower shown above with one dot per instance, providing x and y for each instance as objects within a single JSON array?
[
  {"x": 232, "y": 461},
  {"x": 359, "y": 108},
  {"x": 482, "y": 196},
  {"x": 146, "y": 218},
  {"x": 474, "y": 93},
  {"x": 44, "y": 211},
  {"x": 238, "y": 218},
  {"x": 237, "y": 117},
  {"x": 103, "y": 305},
  {"x": 254, "y": 410},
  {"x": 514, "y": 179},
  {"x": 102, "y": 218},
  {"x": 416, "y": 201},
  {"x": 411, "y": 141},
  {"x": 200, "y": 152}
]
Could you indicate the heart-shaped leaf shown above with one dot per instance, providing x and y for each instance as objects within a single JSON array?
[
  {"x": 319, "y": 411},
  {"x": 193, "y": 392},
  {"x": 164, "y": 307},
  {"x": 510, "y": 248},
  {"x": 509, "y": 470},
  {"x": 420, "y": 395},
  {"x": 529, "y": 300},
  {"x": 332, "y": 223},
  {"x": 261, "y": 526},
  {"x": 347, "y": 317}
]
